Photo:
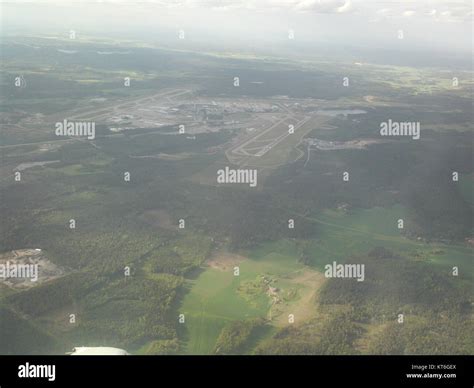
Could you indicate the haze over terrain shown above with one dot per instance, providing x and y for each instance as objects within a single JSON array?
[
  {"x": 236, "y": 177},
  {"x": 365, "y": 28}
]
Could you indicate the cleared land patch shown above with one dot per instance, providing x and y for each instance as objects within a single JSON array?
[
  {"x": 217, "y": 297},
  {"x": 26, "y": 268}
]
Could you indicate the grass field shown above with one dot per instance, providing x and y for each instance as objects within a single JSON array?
[
  {"x": 342, "y": 235},
  {"x": 217, "y": 297}
]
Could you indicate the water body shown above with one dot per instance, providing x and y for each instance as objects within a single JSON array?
[
  {"x": 344, "y": 112},
  {"x": 113, "y": 52},
  {"x": 67, "y": 51},
  {"x": 25, "y": 166}
]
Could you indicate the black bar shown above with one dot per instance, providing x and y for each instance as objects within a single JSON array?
[{"x": 307, "y": 371}]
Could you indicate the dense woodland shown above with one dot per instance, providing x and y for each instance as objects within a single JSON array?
[{"x": 363, "y": 317}]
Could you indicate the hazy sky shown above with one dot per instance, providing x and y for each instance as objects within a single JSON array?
[{"x": 434, "y": 24}]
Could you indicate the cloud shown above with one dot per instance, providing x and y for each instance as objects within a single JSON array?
[
  {"x": 347, "y": 7},
  {"x": 379, "y": 11},
  {"x": 315, "y": 6},
  {"x": 434, "y": 10},
  {"x": 323, "y": 6}
]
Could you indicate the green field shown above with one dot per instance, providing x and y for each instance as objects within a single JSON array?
[
  {"x": 214, "y": 298},
  {"x": 218, "y": 297},
  {"x": 342, "y": 235}
]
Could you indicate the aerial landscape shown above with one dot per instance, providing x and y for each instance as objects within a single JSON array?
[{"x": 165, "y": 196}]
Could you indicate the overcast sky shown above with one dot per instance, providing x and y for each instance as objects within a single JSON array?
[{"x": 435, "y": 24}]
